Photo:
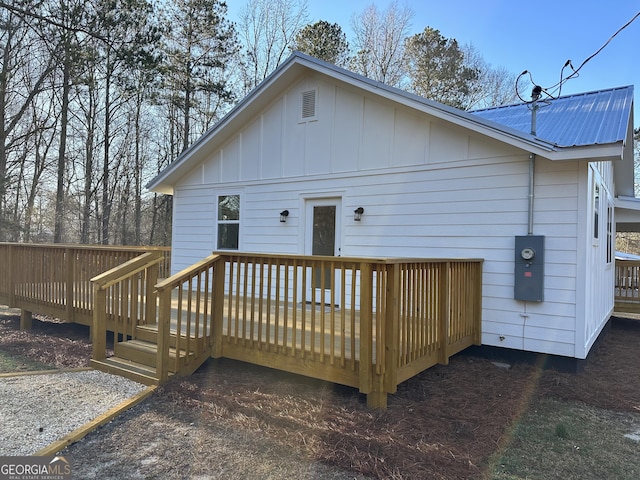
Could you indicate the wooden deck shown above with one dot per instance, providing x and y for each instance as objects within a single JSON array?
[
  {"x": 56, "y": 279},
  {"x": 627, "y": 281},
  {"x": 366, "y": 323}
]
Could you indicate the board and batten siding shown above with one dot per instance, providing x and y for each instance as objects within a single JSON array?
[
  {"x": 429, "y": 190},
  {"x": 597, "y": 271}
]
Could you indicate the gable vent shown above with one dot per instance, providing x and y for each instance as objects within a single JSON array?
[{"x": 308, "y": 105}]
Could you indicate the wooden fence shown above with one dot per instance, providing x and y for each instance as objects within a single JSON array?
[
  {"x": 366, "y": 323},
  {"x": 56, "y": 279}
]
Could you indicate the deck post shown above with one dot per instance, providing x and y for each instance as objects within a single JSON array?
[
  {"x": 69, "y": 284},
  {"x": 150, "y": 294},
  {"x": 217, "y": 292},
  {"x": 10, "y": 279},
  {"x": 445, "y": 313},
  {"x": 26, "y": 320},
  {"x": 99, "y": 327},
  {"x": 164, "y": 325},
  {"x": 366, "y": 330},
  {"x": 477, "y": 283},
  {"x": 392, "y": 316}
]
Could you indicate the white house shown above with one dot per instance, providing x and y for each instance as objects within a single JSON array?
[{"x": 314, "y": 144}]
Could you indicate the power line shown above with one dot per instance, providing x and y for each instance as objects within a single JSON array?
[{"x": 549, "y": 91}]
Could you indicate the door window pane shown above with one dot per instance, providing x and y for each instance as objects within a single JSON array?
[
  {"x": 324, "y": 240},
  {"x": 324, "y": 230}
]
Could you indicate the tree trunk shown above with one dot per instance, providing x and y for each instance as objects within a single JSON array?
[
  {"x": 138, "y": 173},
  {"x": 88, "y": 174},
  {"x": 62, "y": 150},
  {"x": 106, "y": 204}
]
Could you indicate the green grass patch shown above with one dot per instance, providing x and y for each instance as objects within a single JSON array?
[
  {"x": 555, "y": 439},
  {"x": 16, "y": 363}
]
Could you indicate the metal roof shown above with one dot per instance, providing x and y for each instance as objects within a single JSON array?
[{"x": 593, "y": 118}]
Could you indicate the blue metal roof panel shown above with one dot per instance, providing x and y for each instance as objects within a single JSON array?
[{"x": 593, "y": 118}]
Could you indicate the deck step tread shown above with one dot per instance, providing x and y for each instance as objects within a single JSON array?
[
  {"x": 127, "y": 368},
  {"x": 153, "y": 328},
  {"x": 151, "y": 347}
]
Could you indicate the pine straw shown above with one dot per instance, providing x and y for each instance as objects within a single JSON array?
[
  {"x": 57, "y": 344},
  {"x": 611, "y": 377},
  {"x": 442, "y": 424},
  {"x": 446, "y": 423}
]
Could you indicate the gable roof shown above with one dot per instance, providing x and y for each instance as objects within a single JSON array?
[
  {"x": 593, "y": 118},
  {"x": 299, "y": 64}
]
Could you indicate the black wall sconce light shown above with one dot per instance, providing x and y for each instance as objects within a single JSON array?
[
  {"x": 283, "y": 215},
  {"x": 357, "y": 214}
]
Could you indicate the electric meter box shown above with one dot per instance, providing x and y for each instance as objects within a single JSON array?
[{"x": 529, "y": 269}]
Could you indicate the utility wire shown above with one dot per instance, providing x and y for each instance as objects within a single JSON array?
[{"x": 575, "y": 71}]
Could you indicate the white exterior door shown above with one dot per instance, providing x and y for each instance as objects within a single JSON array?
[{"x": 322, "y": 238}]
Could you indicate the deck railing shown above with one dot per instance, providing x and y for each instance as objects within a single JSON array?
[
  {"x": 365, "y": 323},
  {"x": 124, "y": 298},
  {"x": 56, "y": 279},
  {"x": 627, "y": 281},
  {"x": 188, "y": 304}
]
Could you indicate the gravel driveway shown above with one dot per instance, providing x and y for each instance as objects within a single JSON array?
[{"x": 40, "y": 409}]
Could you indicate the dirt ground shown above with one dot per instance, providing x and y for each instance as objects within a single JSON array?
[{"x": 233, "y": 420}]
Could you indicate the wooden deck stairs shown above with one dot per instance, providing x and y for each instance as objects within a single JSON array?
[{"x": 136, "y": 358}]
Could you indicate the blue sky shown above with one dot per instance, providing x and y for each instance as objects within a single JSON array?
[{"x": 536, "y": 36}]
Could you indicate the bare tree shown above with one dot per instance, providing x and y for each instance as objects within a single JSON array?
[
  {"x": 66, "y": 51},
  {"x": 44, "y": 121},
  {"x": 25, "y": 68},
  {"x": 379, "y": 43},
  {"x": 494, "y": 86},
  {"x": 267, "y": 29}
]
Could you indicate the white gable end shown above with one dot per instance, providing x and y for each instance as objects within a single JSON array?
[{"x": 351, "y": 132}]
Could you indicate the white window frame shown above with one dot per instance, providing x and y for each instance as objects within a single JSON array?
[
  {"x": 595, "y": 214},
  {"x": 220, "y": 222}
]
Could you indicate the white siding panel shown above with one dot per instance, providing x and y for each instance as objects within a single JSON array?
[
  {"x": 230, "y": 162},
  {"x": 317, "y": 158},
  {"x": 251, "y": 151},
  {"x": 376, "y": 138},
  {"x": 211, "y": 173},
  {"x": 194, "y": 177},
  {"x": 447, "y": 143},
  {"x": 552, "y": 322},
  {"x": 481, "y": 147},
  {"x": 506, "y": 335},
  {"x": 293, "y": 141},
  {"x": 193, "y": 226},
  {"x": 272, "y": 126},
  {"x": 347, "y": 131},
  {"x": 410, "y": 141},
  {"x": 553, "y": 347}
]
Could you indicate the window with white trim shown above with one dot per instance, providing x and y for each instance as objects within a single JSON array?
[{"x": 228, "y": 222}]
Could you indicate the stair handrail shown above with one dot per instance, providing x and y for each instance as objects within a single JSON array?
[
  {"x": 164, "y": 289},
  {"x": 101, "y": 284}
]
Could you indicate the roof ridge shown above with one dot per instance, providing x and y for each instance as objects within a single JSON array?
[{"x": 564, "y": 97}]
